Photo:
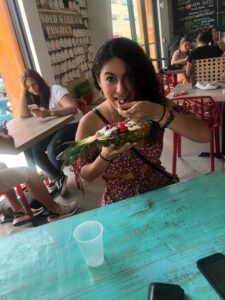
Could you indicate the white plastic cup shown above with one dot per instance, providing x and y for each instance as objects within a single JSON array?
[{"x": 89, "y": 236}]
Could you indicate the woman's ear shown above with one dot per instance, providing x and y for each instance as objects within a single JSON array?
[{"x": 99, "y": 84}]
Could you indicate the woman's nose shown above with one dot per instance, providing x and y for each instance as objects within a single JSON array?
[{"x": 121, "y": 86}]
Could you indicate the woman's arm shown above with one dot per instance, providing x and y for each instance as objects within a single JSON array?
[
  {"x": 67, "y": 107},
  {"x": 94, "y": 170},
  {"x": 221, "y": 44},
  {"x": 24, "y": 109},
  {"x": 190, "y": 127},
  {"x": 183, "y": 124},
  {"x": 189, "y": 69},
  {"x": 91, "y": 171},
  {"x": 175, "y": 59}
]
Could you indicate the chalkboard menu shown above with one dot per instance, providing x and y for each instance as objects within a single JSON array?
[
  {"x": 198, "y": 14},
  {"x": 221, "y": 15}
]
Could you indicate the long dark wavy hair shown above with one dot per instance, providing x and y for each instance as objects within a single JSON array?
[
  {"x": 44, "y": 90},
  {"x": 139, "y": 67}
]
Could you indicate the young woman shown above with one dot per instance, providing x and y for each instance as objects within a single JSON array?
[
  {"x": 126, "y": 77},
  {"x": 53, "y": 100},
  {"x": 10, "y": 177},
  {"x": 180, "y": 55}
]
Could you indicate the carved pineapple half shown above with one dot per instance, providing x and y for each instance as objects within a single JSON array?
[{"x": 116, "y": 133}]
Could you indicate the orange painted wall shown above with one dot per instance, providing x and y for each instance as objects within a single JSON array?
[{"x": 11, "y": 61}]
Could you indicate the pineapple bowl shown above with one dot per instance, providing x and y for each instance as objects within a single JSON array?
[{"x": 117, "y": 133}]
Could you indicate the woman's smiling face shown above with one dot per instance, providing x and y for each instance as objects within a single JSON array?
[
  {"x": 32, "y": 86},
  {"x": 115, "y": 83}
]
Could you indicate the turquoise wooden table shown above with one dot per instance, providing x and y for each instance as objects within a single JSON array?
[{"x": 157, "y": 236}]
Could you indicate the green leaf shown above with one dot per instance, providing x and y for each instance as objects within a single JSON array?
[{"x": 75, "y": 149}]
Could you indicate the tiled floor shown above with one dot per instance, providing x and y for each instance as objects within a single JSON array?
[{"x": 190, "y": 165}]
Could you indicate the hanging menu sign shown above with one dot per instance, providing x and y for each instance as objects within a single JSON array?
[
  {"x": 221, "y": 15},
  {"x": 195, "y": 14}
]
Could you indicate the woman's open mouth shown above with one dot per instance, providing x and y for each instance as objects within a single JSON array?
[
  {"x": 124, "y": 103},
  {"x": 123, "y": 100}
]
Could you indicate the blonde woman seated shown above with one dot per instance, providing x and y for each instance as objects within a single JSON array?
[{"x": 180, "y": 56}]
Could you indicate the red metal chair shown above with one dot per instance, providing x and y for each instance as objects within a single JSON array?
[
  {"x": 168, "y": 81},
  {"x": 206, "y": 109},
  {"x": 24, "y": 200},
  {"x": 82, "y": 105}
]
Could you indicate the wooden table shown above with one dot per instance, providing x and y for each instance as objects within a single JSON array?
[
  {"x": 180, "y": 71},
  {"x": 217, "y": 94},
  {"x": 29, "y": 131},
  {"x": 157, "y": 236}
]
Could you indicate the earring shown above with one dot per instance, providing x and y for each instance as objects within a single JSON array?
[{"x": 101, "y": 94}]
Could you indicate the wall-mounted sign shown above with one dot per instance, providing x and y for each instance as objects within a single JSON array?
[{"x": 198, "y": 14}]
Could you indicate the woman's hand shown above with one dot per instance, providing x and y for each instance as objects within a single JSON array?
[
  {"x": 141, "y": 111},
  {"x": 109, "y": 153},
  {"x": 184, "y": 60},
  {"x": 41, "y": 112},
  {"x": 92, "y": 171}
]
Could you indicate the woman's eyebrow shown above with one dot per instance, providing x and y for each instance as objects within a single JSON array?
[{"x": 109, "y": 73}]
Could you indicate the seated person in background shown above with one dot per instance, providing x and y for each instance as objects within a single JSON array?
[
  {"x": 203, "y": 50},
  {"x": 127, "y": 79},
  {"x": 10, "y": 177},
  {"x": 216, "y": 38},
  {"x": 180, "y": 57},
  {"x": 53, "y": 100}
]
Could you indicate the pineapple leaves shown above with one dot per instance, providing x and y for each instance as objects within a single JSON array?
[
  {"x": 75, "y": 149},
  {"x": 118, "y": 133}
]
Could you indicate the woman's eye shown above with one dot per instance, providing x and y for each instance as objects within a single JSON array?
[
  {"x": 128, "y": 78},
  {"x": 110, "y": 79}
]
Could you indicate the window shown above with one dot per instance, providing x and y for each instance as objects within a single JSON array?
[
  {"x": 114, "y": 17},
  {"x": 135, "y": 20}
]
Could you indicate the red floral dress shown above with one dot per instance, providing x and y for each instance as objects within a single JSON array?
[{"x": 128, "y": 175}]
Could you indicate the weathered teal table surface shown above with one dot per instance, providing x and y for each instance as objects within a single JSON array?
[{"x": 157, "y": 236}]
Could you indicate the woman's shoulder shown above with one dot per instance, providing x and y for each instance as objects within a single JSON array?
[
  {"x": 90, "y": 123},
  {"x": 221, "y": 45},
  {"x": 58, "y": 91},
  {"x": 176, "y": 52},
  {"x": 57, "y": 88}
]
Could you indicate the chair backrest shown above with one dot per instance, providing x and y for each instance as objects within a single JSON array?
[
  {"x": 82, "y": 105},
  {"x": 168, "y": 81},
  {"x": 208, "y": 69},
  {"x": 203, "y": 107}
]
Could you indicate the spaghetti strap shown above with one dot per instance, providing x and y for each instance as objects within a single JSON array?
[{"x": 100, "y": 115}]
